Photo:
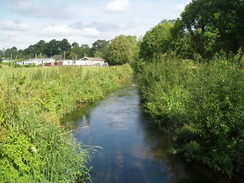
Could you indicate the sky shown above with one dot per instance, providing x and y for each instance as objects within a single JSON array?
[{"x": 25, "y": 22}]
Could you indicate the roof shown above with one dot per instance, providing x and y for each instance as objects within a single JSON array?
[
  {"x": 93, "y": 59},
  {"x": 41, "y": 59},
  {"x": 6, "y": 61},
  {"x": 58, "y": 57}
]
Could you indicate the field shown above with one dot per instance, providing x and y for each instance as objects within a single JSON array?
[{"x": 6, "y": 71}]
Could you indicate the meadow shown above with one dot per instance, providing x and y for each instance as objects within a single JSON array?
[
  {"x": 6, "y": 70},
  {"x": 34, "y": 146}
]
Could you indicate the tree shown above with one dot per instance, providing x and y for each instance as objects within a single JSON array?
[
  {"x": 100, "y": 48},
  {"x": 11, "y": 53},
  {"x": 85, "y": 50},
  {"x": 64, "y": 45},
  {"x": 214, "y": 25},
  {"x": 39, "y": 47},
  {"x": 75, "y": 45},
  {"x": 79, "y": 52},
  {"x": 156, "y": 41},
  {"x": 123, "y": 49},
  {"x": 52, "y": 48},
  {"x": 181, "y": 41}
]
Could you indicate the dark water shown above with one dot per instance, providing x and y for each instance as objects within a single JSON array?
[{"x": 130, "y": 148}]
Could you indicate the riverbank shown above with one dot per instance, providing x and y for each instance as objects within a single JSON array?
[
  {"x": 200, "y": 105},
  {"x": 34, "y": 147}
]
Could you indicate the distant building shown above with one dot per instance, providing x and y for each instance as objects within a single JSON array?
[
  {"x": 68, "y": 62},
  {"x": 37, "y": 61},
  {"x": 6, "y": 61},
  {"x": 86, "y": 61}
]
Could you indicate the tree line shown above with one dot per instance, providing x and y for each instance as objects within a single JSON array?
[
  {"x": 120, "y": 50},
  {"x": 55, "y": 47}
]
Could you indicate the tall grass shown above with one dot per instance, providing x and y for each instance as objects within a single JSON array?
[
  {"x": 34, "y": 147},
  {"x": 201, "y": 106}
]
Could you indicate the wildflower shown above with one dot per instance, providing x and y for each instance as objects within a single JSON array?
[{"x": 33, "y": 149}]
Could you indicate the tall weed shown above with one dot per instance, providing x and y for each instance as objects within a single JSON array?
[{"x": 34, "y": 146}]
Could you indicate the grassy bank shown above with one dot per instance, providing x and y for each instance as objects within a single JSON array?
[
  {"x": 33, "y": 145},
  {"x": 201, "y": 106}
]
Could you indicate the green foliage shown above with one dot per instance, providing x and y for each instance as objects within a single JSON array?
[
  {"x": 212, "y": 26},
  {"x": 64, "y": 45},
  {"x": 33, "y": 146},
  {"x": 100, "y": 48},
  {"x": 40, "y": 50},
  {"x": 20, "y": 160},
  {"x": 61, "y": 146},
  {"x": 123, "y": 49},
  {"x": 201, "y": 106},
  {"x": 79, "y": 52},
  {"x": 55, "y": 47},
  {"x": 156, "y": 41}
]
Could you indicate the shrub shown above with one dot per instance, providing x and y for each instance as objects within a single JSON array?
[{"x": 201, "y": 106}]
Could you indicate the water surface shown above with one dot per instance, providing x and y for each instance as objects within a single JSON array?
[{"x": 130, "y": 147}]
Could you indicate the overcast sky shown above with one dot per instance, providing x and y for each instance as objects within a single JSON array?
[{"x": 25, "y": 22}]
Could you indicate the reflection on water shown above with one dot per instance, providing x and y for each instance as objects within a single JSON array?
[{"x": 132, "y": 149}]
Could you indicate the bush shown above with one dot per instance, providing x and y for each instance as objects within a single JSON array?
[{"x": 201, "y": 106}]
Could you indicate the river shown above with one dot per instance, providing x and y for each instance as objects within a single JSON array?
[{"x": 130, "y": 148}]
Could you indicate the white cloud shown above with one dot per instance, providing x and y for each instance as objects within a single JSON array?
[
  {"x": 13, "y": 26},
  {"x": 91, "y": 32},
  {"x": 40, "y": 9},
  {"x": 57, "y": 30},
  {"x": 68, "y": 31},
  {"x": 118, "y": 5},
  {"x": 100, "y": 26}
]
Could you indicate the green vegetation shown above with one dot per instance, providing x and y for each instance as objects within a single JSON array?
[
  {"x": 201, "y": 107},
  {"x": 34, "y": 146},
  {"x": 44, "y": 49},
  {"x": 156, "y": 41},
  {"x": 210, "y": 27},
  {"x": 8, "y": 71},
  {"x": 123, "y": 49},
  {"x": 191, "y": 82},
  {"x": 190, "y": 73},
  {"x": 100, "y": 49}
]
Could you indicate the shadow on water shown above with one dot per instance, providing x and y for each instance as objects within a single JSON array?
[
  {"x": 132, "y": 149},
  {"x": 181, "y": 170}
]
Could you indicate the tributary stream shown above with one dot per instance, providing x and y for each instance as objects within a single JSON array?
[{"x": 130, "y": 147}]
